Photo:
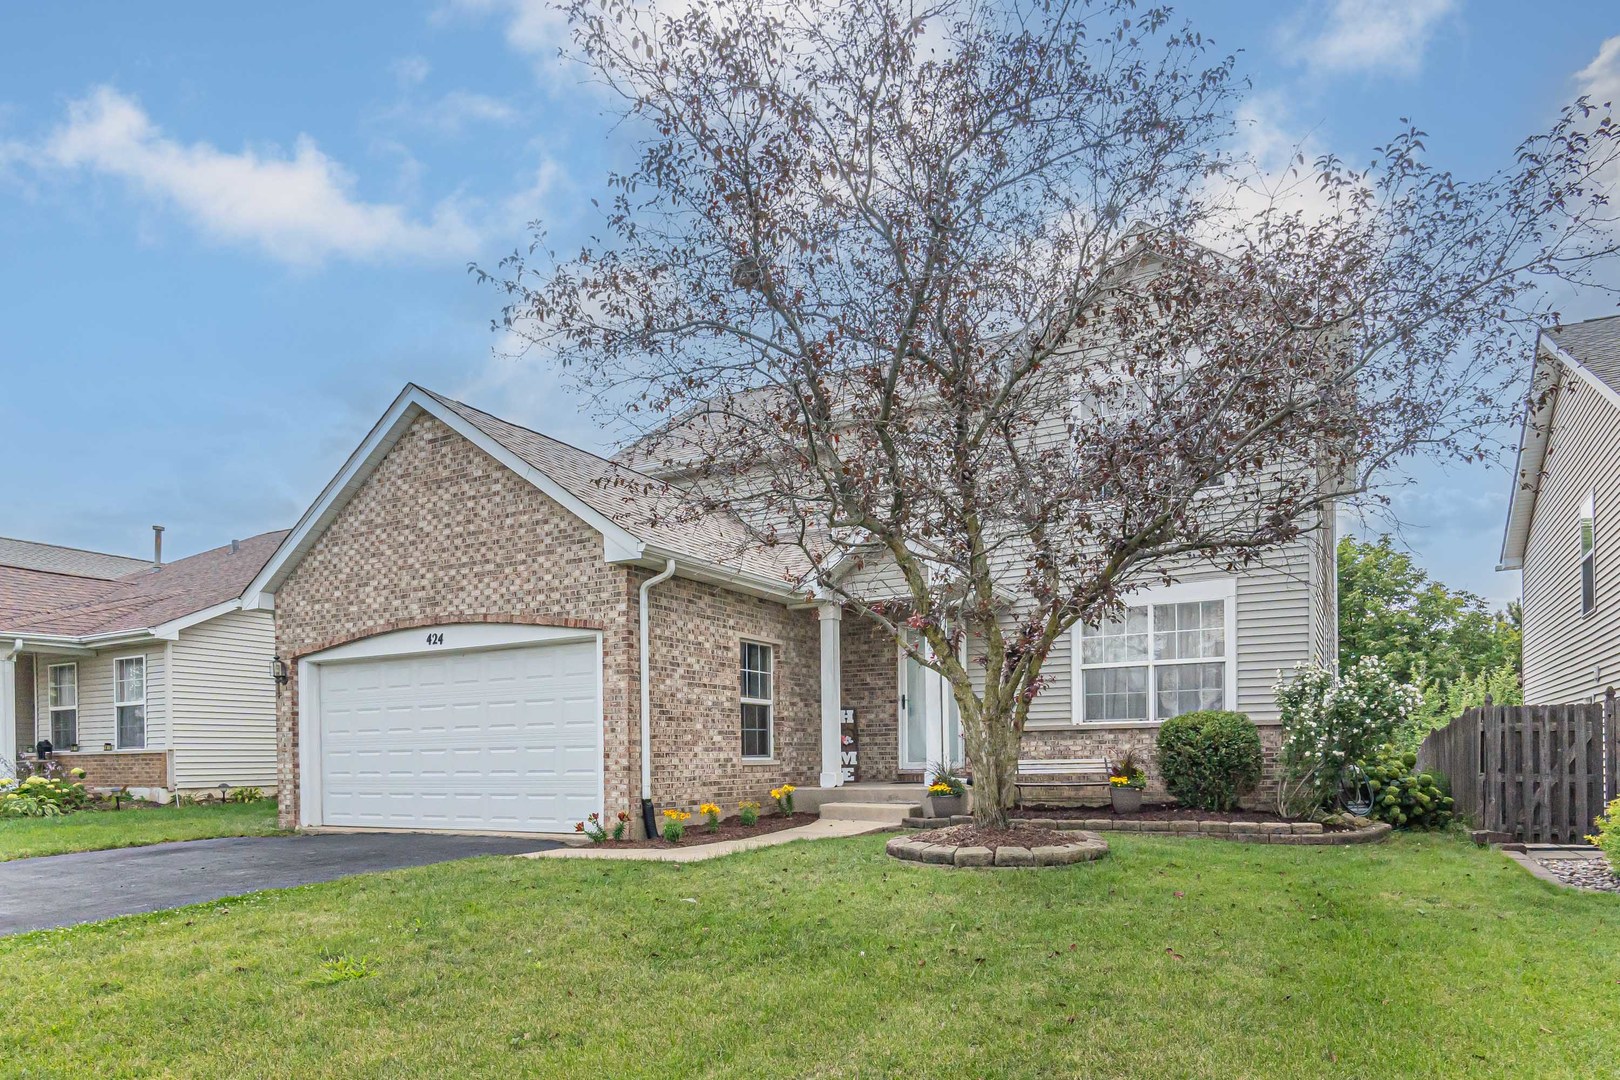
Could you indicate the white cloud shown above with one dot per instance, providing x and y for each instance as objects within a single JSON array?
[
  {"x": 1364, "y": 35},
  {"x": 299, "y": 209},
  {"x": 458, "y": 108},
  {"x": 411, "y": 70},
  {"x": 534, "y": 27},
  {"x": 1601, "y": 78}
]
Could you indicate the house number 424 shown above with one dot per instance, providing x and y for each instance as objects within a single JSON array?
[{"x": 436, "y": 638}]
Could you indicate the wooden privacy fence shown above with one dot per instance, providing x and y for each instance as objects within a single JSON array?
[{"x": 1540, "y": 772}]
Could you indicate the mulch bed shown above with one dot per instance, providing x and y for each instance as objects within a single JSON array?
[
  {"x": 1016, "y": 836},
  {"x": 697, "y": 833},
  {"x": 1153, "y": 813}
]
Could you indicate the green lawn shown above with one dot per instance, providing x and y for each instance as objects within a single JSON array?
[
  {"x": 93, "y": 830},
  {"x": 1419, "y": 957}
]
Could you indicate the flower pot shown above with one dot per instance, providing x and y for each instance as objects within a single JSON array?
[
  {"x": 946, "y": 805},
  {"x": 1127, "y": 800}
]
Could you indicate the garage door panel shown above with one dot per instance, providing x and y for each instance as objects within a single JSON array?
[{"x": 508, "y": 739}]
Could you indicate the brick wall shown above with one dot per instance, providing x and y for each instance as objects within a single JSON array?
[
  {"x": 872, "y": 688},
  {"x": 105, "y": 772},
  {"x": 696, "y": 729},
  {"x": 442, "y": 533}
]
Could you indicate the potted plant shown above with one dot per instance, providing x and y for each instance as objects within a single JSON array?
[
  {"x": 947, "y": 794},
  {"x": 1126, "y": 779}
]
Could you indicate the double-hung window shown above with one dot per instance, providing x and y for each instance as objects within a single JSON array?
[
  {"x": 1168, "y": 654},
  {"x": 758, "y": 697},
  {"x": 129, "y": 701},
  {"x": 62, "y": 695},
  {"x": 1588, "y": 555}
]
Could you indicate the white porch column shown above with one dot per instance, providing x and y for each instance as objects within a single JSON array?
[
  {"x": 832, "y": 693},
  {"x": 8, "y": 709}
]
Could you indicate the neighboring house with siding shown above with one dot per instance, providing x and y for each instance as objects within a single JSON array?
[
  {"x": 463, "y": 610},
  {"x": 1563, "y": 527},
  {"x": 147, "y": 675}
]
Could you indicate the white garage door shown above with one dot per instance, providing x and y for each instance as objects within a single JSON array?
[{"x": 501, "y": 740}]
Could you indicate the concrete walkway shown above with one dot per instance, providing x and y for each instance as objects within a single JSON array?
[{"x": 824, "y": 829}]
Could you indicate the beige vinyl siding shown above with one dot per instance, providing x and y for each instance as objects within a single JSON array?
[
  {"x": 225, "y": 702},
  {"x": 96, "y": 725},
  {"x": 1325, "y": 590},
  {"x": 1275, "y": 626},
  {"x": 1569, "y": 656}
]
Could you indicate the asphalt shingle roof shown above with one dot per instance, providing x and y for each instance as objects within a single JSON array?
[
  {"x": 38, "y": 602},
  {"x": 1596, "y": 344},
  {"x": 649, "y": 509},
  {"x": 53, "y": 559}
]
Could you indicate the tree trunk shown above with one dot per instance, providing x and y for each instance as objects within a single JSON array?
[{"x": 993, "y": 742}]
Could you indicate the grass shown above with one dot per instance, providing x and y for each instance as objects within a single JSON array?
[
  {"x": 1418, "y": 957},
  {"x": 95, "y": 830}
]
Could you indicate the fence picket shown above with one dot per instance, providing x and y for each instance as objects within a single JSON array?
[{"x": 1539, "y": 772}]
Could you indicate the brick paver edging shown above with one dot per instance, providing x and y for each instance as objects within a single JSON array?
[
  {"x": 1302, "y": 833},
  {"x": 1083, "y": 848}
]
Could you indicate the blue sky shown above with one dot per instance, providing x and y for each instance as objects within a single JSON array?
[{"x": 231, "y": 233}]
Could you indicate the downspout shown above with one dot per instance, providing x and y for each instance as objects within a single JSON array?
[{"x": 647, "y": 820}]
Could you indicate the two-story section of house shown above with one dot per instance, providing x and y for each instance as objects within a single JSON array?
[{"x": 1561, "y": 527}]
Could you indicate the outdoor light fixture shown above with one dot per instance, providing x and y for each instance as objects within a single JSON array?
[
  {"x": 278, "y": 669},
  {"x": 224, "y": 789},
  {"x": 107, "y": 747}
]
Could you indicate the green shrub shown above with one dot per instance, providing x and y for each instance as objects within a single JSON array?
[
  {"x": 245, "y": 795},
  {"x": 1209, "y": 759},
  {"x": 50, "y": 792},
  {"x": 1404, "y": 797},
  {"x": 1607, "y": 837}
]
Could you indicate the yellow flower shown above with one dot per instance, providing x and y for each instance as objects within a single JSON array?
[
  {"x": 708, "y": 808},
  {"x": 677, "y": 815}
]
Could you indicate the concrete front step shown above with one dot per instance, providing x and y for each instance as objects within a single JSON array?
[
  {"x": 888, "y": 813},
  {"x": 810, "y": 799}
]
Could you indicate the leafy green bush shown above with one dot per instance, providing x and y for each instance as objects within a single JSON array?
[
  {"x": 1404, "y": 797},
  {"x": 47, "y": 793},
  {"x": 245, "y": 795},
  {"x": 1209, "y": 759},
  {"x": 1331, "y": 720},
  {"x": 1607, "y": 837}
]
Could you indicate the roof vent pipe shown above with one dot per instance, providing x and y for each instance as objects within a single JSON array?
[
  {"x": 235, "y": 546},
  {"x": 648, "y": 822},
  {"x": 157, "y": 546}
]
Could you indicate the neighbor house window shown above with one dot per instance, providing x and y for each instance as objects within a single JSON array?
[
  {"x": 1588, "y": 556},
  {"x": 129, "y": 701},
  {"x": 62, "y": 695},
  {"x": 1157, "y": 660},
  {"x": 758, "y": 692}
]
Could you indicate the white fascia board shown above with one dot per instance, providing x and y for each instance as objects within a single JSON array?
[
  {"x": 1534, "y": 431},
  {"x": 715, "y": 574},
  {"x": 618, "y": 543},
  {"x": 170, "y": 630}
]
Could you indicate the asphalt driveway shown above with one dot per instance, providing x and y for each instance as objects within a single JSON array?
[{"x": 61, "y": 890}]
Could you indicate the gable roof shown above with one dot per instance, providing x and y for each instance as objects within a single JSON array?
[
  {"x": 1589, "y": 351},
  {"x": 34, "y": 602},
  {"x": 640, "y": 518},
  {"x": 55, "y": 559}
]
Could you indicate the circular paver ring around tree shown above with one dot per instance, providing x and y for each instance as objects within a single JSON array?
[{"x": 1076, "y": 847}]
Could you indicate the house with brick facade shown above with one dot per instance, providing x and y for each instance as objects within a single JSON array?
[
  {"x": 486, "y": 629},
  {"x": 148, "y": 675}
]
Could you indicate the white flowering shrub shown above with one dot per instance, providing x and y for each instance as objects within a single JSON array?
[{"x": 1330, "y": 722}]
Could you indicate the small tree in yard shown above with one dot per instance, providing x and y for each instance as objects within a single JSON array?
[{"x": 965, "y": 294}]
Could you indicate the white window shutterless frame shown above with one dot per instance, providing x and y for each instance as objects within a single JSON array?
[
  {"x": 129, "y": 702},
  {"x": 1173, "y": 650},
  {"x": 62, "y": 697}
]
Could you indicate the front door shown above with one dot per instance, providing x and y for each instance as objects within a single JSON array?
[{"x": 930, "y": 724}]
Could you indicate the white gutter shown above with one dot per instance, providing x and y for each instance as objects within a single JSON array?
[{"x": 646, "y": 684}]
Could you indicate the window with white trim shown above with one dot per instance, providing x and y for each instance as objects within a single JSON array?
[
  {"x": 1588, "y": 555},
  {"x": 758, "y": 696},
  {"x": 129, "y": 701},
  {"x": 1156, "y": 661},
  {"x": 62, "y": 696}
]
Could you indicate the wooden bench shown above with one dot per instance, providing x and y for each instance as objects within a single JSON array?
[{"x": 1067, "y": 773}]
